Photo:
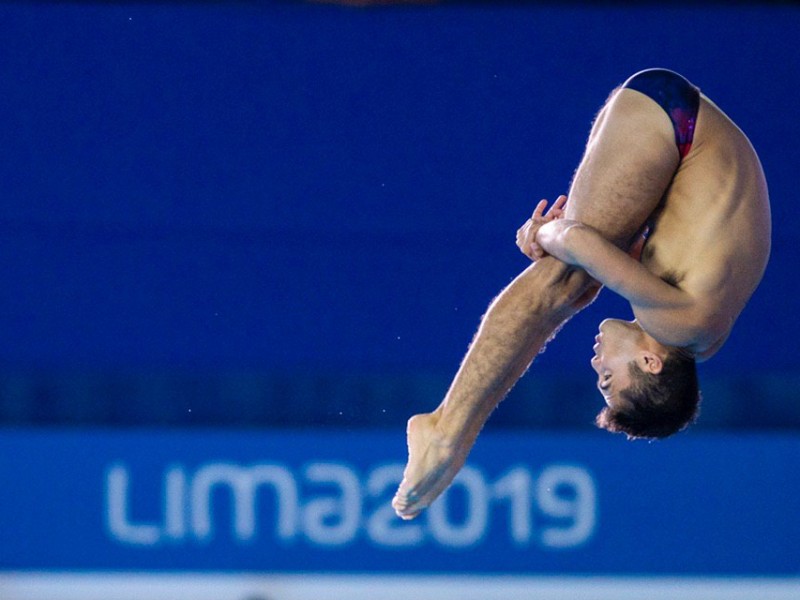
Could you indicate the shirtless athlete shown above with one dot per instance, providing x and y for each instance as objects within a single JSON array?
[{"x": 660, "y": 156}]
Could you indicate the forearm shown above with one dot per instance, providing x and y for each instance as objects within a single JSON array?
[
  {"x": 569, "y": 241},
  {"x": 513, "y": 331},
  {"x": 583, "y": 247}
]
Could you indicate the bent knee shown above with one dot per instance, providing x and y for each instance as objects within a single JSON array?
[
  {"x": 567, "y": 286},
  {"x": 636, "y": 122},
  {"x": 630, "y": 161}
]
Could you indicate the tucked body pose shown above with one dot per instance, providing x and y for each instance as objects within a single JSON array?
[{"x": 661, "y": 158}]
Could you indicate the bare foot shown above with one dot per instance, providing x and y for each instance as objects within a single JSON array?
[{"x": 433, "y": 462}]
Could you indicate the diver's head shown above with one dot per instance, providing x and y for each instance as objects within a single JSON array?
[{"x": 651, "y": 390}]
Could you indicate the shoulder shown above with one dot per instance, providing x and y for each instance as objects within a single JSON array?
[
  {"x": 703, "y": 354},
  {"x": 690, "y": 326}
]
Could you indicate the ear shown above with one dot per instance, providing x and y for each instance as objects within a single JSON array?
[{"x": 651, "y": 362}]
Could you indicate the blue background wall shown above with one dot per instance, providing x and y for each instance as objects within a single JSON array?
[{"x": 330, "y": 195}]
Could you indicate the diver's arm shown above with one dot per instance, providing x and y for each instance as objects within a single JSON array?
[{"x": 577, "y": 244}]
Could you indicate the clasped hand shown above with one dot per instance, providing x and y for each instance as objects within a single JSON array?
[
  {"x": 540, "y": 235},
  {"x": 530, "y": 240}
]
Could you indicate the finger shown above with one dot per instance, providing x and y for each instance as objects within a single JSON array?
[
  {"x": 539, "y": 210},
  {"x": 522, "y": 243},
  {"x": 522, "y": 232},
  {"x": 557, "y": 210},
  {"x": 525, "y": 226},
  {"x": 525, "y": 247},
  {"x": 529, "y": 237},
  {"x": 526, "y": 250}
]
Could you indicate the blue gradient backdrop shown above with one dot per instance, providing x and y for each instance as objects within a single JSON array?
[{"x": 276, "y": 186}]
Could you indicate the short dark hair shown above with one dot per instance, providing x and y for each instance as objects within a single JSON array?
[{"x": 657, "y": 405}]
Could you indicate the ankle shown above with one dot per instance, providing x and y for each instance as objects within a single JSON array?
[{"x": 450, "y": 432}]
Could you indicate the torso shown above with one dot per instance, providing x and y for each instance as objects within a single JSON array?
[{"x": 711, "y": 234}]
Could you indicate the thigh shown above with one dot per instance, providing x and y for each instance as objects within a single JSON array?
[{"x": 629, "y": 163}]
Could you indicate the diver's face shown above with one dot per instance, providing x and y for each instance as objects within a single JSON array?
[{"x": 618, "y": 343}]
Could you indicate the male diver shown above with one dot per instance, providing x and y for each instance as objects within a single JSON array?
[{"x": 660, "y": 157}]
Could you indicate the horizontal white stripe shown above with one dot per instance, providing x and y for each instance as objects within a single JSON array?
[{"x": 201, "y": 586}]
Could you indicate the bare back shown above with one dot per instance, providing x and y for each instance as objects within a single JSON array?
[{"x": 711, "y": 234}]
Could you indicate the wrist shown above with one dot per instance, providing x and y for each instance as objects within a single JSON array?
[
  {"x": 570, "y": 241},
  {"x": 558, "y": 238}
]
